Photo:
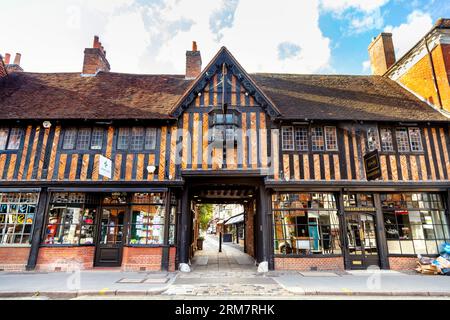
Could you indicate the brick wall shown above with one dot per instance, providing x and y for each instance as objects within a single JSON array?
[
  {"x": 419, "y": 78},
  {"x": 308, "y": 264},
  {"x": 65, "y": 258},
  {"x": 172, "y": 257},
  {"x": 402, "y": 263},
  {"x": 142, "y": 259},
  {"x": 13, "y": 258},
  {"x": 249, "y": 229}
]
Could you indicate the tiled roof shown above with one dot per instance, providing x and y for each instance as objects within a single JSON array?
[
  {"x": 105, "y": 96},
  {"x": 342, "y": 97},
  {"x": 129, "y": 96}
]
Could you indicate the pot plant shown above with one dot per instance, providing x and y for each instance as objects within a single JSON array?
[{"x": 200, "y": 243}]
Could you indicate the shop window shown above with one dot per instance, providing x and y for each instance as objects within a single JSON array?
[
  {"x": 387, "y": 144},
  {"x": 147, "y": 223},
  {"x": 415, "y": 139},
  {"x": 358, "y": 200},
  {"x": 71, "y": 219},
  {"x": 331, "y": 138},
  {"x": 10, "y": 138},
  {"x": 83, "y": 138},
  {"x": 401, "y": 135},
  {"x": 301, "y": 139},
  {"x": 373, "y": 141},
  {"x": 305, "y": 224},
  {"x": 415, "y": 223},
  {"x": 17, "y": 213},
  {"x": 136, "y": 138}
]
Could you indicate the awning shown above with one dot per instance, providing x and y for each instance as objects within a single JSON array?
[{"x": 236, "y": 219}]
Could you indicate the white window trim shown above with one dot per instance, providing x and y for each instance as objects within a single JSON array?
[
  {"x": 325, "y": 137},
  {"x": 396, "y": 130},
  {"x": 410, "y": 141},
  {"x": 282, "y": 138}
]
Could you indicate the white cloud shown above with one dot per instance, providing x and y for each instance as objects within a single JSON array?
[
  {"x": 363, "y": 15},
  {"x": 366, "y": 66},
  {"x": 152, "y": 36},
  {"x": 339, "y": 6},
  {"x": 406, "y": 35}
]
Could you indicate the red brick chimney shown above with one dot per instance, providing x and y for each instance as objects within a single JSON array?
[
  {"x": 7, "y": 58},
  {"x": 3, "y": 72},
  {"x": 381, "y": 53},
  {"x": 95, "y": 59},
  {"x": 193, "y": 62},
  {"x": 13, "y": 67}
]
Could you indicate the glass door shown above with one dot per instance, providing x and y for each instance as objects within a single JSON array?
[
  {"x": 362, "y": 250},
  {"x": 111, "y": 237}
]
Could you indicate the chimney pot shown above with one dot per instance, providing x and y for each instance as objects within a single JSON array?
[
  {"x": 194, "y": 46},
  {"x": 7, "y": 58},
  {"x": 381, "y": 53},
  {"x": 17, "y": 59},
  {"x": 96, "y": 42}
]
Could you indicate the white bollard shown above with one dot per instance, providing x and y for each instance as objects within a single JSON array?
[
  {"x": 184, "y": 267},
  {"x": 263, "y": 267}
]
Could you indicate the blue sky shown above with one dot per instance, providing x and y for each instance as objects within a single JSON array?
[{"x": 151, "y": 36}]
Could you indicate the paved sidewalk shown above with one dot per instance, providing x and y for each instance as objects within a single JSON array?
[{"x": 66, "y": 285}]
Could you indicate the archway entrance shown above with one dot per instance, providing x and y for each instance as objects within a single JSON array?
[{"x": 234, "y": 225}]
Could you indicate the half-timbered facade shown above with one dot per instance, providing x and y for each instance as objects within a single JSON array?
[{"x": 105, "y": 169}]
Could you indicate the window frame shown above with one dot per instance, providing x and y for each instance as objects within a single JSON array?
[
  {"x": 7, "y": 148},
  {"x": 283, "y": 128},
  {"x": 419, "y": 139},
  {"x": 399, "y": 138},
  {"x": 75, "y": 147},
  {"x": 143, "y": 145},
  {"x": 392, "y": 139},
  {"x": 335, "y": 136}
]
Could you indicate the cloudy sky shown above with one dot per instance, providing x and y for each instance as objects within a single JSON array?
[{"x": 151, "y": 36}]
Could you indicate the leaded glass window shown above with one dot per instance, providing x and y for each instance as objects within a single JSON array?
[
  {"x": 387, "y": 144},
  {"x": 301, "y": 139},
  {"x": 287, "y": 135},
  {"x": 402, "y": 139},
  {"x": 317, "y": 139},
  {"x": 331, "y": 138},
  {"x": 415, "y": 139}
]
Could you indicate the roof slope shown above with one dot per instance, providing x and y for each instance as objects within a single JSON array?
[
  {"x": 105, "y": 96},
  {"x": 129, "y": 96},
  {"x": 342, "y": 97}
]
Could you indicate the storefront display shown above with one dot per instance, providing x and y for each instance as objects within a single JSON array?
[
  {"x": 415, "y": 223},
  {"x": 305, "y": 224},
  {"x": 17, "y": 213},
  {"x": 71, "y": 219}
]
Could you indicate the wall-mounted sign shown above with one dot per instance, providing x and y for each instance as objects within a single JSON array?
[
  {"x": 105, "y": 167},
  {"x": 372, "y": 165},
  {"x": 359, "y": 209}
]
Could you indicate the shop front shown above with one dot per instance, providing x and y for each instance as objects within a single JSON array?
[
  {"x": 337, "y": 231},
  {"x": 131, "y": 230}
]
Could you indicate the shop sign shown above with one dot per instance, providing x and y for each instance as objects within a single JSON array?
[
  {"x": 372, "y": 165},
  {"x": 105, "y": 167},
  {"x": 359, "y": 209}
]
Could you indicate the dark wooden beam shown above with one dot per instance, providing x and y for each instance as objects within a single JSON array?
[{"x": 37, "y": 229}]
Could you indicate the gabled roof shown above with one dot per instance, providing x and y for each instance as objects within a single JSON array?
[{"x": 215, "y": 65}]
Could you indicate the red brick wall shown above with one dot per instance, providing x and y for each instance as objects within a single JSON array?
[
  {"x": 135, "y": 258},
  {"x": 306, "y": 264},
  {"x": 63, "y": 258},
  {"x": 172, "y": 257},
  {"x": 419, "y": 77},
  {"x": 402, "y": 263},
  {"x": 14, "y": 258}
]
